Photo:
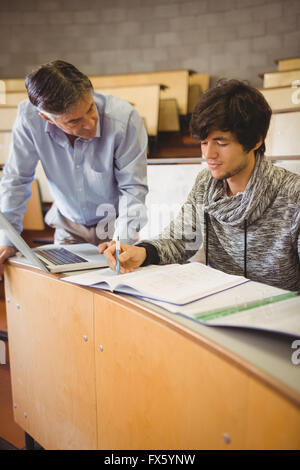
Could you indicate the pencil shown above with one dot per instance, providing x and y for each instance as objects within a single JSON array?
[{"x": 118, "y": 254}]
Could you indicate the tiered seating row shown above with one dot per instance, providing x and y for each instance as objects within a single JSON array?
[
  {"x": 282, "y": 91},
  {"x": 146, "y": 91},
  {"x": 162, "y": 98}
]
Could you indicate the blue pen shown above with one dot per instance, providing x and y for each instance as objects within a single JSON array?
[{"x": 118, "y": 250}]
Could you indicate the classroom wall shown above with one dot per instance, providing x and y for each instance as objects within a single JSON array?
[{"x": 225, "y": 38}]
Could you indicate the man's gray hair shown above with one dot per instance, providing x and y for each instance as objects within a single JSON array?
[{"x": 56, "y": 87}]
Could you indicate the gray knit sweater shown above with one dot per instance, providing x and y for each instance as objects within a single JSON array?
[{"x": 255, "y": 233}]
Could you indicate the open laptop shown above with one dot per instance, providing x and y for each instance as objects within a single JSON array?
[{"x": 55, "y": 258}]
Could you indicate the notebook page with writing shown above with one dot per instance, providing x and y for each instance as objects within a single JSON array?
[{"x": 173, "y": 283}]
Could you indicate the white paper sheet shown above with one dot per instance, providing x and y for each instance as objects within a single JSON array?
[{"x": 177, "y": 284}]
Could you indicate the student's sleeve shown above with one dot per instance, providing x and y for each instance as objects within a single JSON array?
[
  {"x": 295, "y": 223},
  {"x": 298, "y": 247},
  {"x": 17, "y": 176}
]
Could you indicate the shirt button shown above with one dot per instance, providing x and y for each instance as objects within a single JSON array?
[
  {"x": 77, "y": 166},
  {"x": 79, "y": 189}
]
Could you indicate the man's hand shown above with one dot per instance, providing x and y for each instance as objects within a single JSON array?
[
  {"x": 131, "y": 257},
  {"x": 5, "y": 253}
]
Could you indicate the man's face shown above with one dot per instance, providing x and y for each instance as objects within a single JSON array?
[
  {"x": 224, "y": 155},
  {"x": 81, "y": 121}
]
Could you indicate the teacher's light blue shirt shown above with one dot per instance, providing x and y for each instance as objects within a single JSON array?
[{"x": 89, "y": 182}]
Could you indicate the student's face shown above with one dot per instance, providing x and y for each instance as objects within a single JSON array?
[
  {"x": 81, "y": 121},
  {"x": 224, "y": 155}
]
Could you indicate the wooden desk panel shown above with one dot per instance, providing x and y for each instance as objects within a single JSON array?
[
  {"x": 285, "y": 78},
  {"x": 33, "y": 217},
  {"x": 14, "y": 98},
  {"x": 5, "y": 139},
  {"x": 52, "y": 366},
  {"x": 272, "y": 422},
  {"x": 142, "y": 379},
  {"x": 282, "y": 138},
  {"x": 14, "y": 84},
  {"x": 157, "y": 389},
  {"x": 8, "y": 116},
  {"x": 175, "y": 81},
  {"x": 282, "y": 98},
  {"x": 168, "y": 116},
  {"x": 145, "y": 99},
  {"x": 291, "y": 63},
  {"x": 198, "y": 84}
]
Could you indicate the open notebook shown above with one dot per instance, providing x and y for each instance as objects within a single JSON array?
[{"x": 177, "y": 284}]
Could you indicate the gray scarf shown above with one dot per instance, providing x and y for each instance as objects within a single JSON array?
[{"x": 259, "y": 193}]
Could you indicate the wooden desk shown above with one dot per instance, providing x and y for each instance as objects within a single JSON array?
[
  {"x": 282, "y": 98},
  {"x": 14, "y": 84},
  {"x": 284, "y": 78},
  {"x": 290, "y": 63},
  {"x": 93, "y": 370},
  {"x": 8, "y": 116},
  {"x": 176, "y": 83},
  {"x": 14, "y": 98},
  {"x": 282, "y": 138},
  {"x": 145, "y": 99}
]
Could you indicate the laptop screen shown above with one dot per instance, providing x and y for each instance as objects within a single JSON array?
[{"x": 20, "y": 244}]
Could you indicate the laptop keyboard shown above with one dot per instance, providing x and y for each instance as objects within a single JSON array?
[{"x": 61, "y": 256}]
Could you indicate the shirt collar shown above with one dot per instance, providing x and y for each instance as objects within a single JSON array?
[
  {"x": 49, "y": 127},
  {"x": 98, "y": 131}
]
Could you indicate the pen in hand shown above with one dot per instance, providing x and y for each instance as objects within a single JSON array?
[
  {"x": 130, "y": 257},
  {"x": 118, "y": 254}
]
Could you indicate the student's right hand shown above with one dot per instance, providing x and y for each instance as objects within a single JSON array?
[
  {"x": 5, "y": 253},
  {"x": 131, "y": 257}
]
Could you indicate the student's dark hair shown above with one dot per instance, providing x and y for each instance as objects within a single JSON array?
[
  {"x": 57, "y": 86},
  {"x": 233, "y": 106}
]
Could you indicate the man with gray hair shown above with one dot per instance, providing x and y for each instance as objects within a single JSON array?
[{"x": 93, "y": 150}]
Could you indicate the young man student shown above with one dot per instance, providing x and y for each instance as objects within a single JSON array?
[
  {"x": 243, "y": 212},
  {"x": 93, "y": 151}
]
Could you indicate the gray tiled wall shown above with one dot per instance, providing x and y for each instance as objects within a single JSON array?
[{"x": 225, "y": 38}]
